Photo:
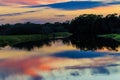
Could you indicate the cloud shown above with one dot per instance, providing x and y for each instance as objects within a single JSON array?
[
  {"x": 75, "y": 5},
  {"x": 2, "y": 19},
  {"x": 60, "y": 15},
  {"x": 2, "y": 4},
  {"x": 18, "y": 13},
  {"x": 114, "y": 3},
  {"x": 50, "y": 1},
  {"x": 31, "y": 2},
  {"x": 35, "y": 2}
]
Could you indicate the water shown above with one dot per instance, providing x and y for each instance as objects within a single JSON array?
[{"x": 72, "y": 58}]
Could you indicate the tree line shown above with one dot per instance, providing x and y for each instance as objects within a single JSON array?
[
  {"x": 32, "y": 28},
  {"x": 91, "y": 24},
  {"x": 86, "y": 24}
]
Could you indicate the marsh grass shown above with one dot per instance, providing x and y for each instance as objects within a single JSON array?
[
  {"x": 113, "y": 36},
  {"x": 15, "y": 39}
]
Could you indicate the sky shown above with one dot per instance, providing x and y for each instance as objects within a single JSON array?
[{"x": 42, "y": 11}]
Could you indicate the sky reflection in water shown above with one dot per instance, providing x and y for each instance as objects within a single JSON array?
[{"x": 59, "y": 61}]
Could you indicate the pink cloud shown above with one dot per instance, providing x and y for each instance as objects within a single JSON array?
[
  {"x": 31, "y": 2},
  {"x": 50, "y": 1}
]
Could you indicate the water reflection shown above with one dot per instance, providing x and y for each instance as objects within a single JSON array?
[
  {"x": 78, "y": 54},
  {"x": 83, "y": 43},
  {"x": 93, "y": 43},
  {"x": 70, "y": 58},
  {"x": 100, "y": 70},
  {"x": 32, "y": 44}
]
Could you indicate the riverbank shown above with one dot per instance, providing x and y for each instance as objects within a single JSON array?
[{"x": 15, "y": 39}]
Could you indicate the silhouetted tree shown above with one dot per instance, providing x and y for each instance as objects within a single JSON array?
[{"x": 91, "y": 24}]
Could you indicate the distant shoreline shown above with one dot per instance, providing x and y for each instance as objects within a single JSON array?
[{"x": 15, "y": 39}]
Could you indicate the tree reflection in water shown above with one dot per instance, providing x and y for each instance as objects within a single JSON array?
[
  {"x": 82, "y": 43},
  {"x": 93, "y": 43}
]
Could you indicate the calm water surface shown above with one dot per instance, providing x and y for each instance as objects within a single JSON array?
[{"x": 61, "y": 59}]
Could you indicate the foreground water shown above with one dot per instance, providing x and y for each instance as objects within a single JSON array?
[{"x": 61, "y": 59}]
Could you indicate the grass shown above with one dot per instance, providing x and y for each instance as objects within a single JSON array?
[
  {"x": 113, "y": 36},
  {"x": 14, "y": 39}
]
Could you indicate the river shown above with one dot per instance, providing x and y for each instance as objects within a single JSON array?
[{"x": 61, "y": 59}]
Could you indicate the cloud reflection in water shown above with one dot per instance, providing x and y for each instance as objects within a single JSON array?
[{"x": 59, "y": 62}]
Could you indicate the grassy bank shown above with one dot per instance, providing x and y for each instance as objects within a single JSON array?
[
  {"x": 113, "y": 36},
  {"x": 14, "y": 39}
]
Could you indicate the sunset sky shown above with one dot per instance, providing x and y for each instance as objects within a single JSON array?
[{"x": 42, "y": 11}]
